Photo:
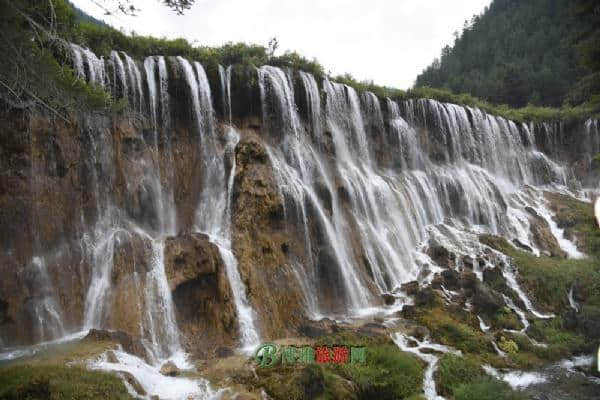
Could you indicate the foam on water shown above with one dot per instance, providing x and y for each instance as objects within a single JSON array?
[
  {"x": 156, "y": 384},
  {"x": 516, "y": 379}
]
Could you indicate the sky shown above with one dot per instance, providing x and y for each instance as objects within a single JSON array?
[{"x": 387, "y": 41}]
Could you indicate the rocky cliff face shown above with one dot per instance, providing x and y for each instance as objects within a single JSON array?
[{"x": 327, "y": 199}]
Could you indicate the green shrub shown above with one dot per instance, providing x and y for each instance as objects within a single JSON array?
[
  {"x": 59, "y": 382},
  {"x": 508, "y": 346},
  {"x": 486, "y": 388},
  {"x": 388, "y": 374},
  {"x": 455, "y": 370}
]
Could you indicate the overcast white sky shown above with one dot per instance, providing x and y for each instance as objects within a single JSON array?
[{"x": 386, "y": 41}]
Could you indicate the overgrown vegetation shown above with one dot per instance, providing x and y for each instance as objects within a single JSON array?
[
  {"x": 387, "y": 374},
  {"x": 486, "y": 388},
  {"x": 454, "y": 371},
  {"x": 59, "y": 382},
  {"x": 31, "y": 44},
  {"x": 528, "y": 113}
]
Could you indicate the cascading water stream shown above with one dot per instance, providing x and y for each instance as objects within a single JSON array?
[
  {"x": 298, "y": 169},
  {"x": 432, "y": 361},
  {"x": 212, "y": 218},
  {"x": 135, "y": 78}
]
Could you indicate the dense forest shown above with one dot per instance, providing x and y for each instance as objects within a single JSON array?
[{"x": 541, "y": 52}]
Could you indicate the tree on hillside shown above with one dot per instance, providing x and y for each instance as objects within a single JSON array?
[{"x": 519, "y": 52}]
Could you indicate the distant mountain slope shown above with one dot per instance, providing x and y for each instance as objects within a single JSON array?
[
  {"x": 82, "y": 16},
  {"x": 518, "y": 52}
]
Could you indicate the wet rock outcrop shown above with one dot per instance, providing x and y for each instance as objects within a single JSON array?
[
  {"x": 261, "y": 243},
  {"x": 542, "y": 235},
  {"x": 201, "y": 292}
]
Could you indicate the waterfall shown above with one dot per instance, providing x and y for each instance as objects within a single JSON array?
[
  {"x": 313, "y": 104},
  {"x": 225, "y": 76},
  {"x": 376, "y": 197},
  {"x": 49, "y": 318},
  {"x": 118, "y": 75},
  {"x": 161, "y": 322},
  {"x": 298, "y": 168},
  {"x": 211, "y": 217},
  {"x": 367, "y": 185},
  {"x": 83, "y": 58},
  {"x": 163, "y": 193},
  {"x": 135, "y": 78}
]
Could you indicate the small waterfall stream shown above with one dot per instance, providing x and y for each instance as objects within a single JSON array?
[{"x": 213, "y": 212}]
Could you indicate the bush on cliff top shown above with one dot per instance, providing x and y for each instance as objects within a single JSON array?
[
  {"x": 102, "y": 39},
  {"x": 486, "y": 388}
]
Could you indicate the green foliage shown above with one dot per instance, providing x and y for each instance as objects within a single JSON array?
[
  {"x": 82, "y": 16},
  {"x": 102, "y": 40},
  {"x": 523, "y": 114},
  {"x": 59, "y": 382},
  {"x": 506, "y": 318},
  {"x": 71, "y": 26},
  {"x": 561, "y": 342},
  {"x": 451, "y": 329},
  {"x": 30, "y": 73},
  {"x": 519, "y": 53},
  {"x": 381, "y": 91},
  {"x": 454, "y": 371},
  {"x": 486, "y": 388},
  {"x": 388, "y": 374},
  {"x": 508, "y": 346},
  {"x": 549, "y": 279}
]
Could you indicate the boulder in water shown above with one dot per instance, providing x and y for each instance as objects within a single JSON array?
[
  {"x": 487, "y": 300},
  {"x": 130, "y": 345},
  {"x": 542, "y": 235},
  {"x": 170, "y": 369},
  {"x": 135, "y": 384},
  {"x": 425, "y": 297},
  {"x": 372, "y": 329},
  {"x": 189, "y": 256},
  {"x": 522, "y": 245},
  {"x": 410, "y": 288},
  {"x": 111, "y": 357},
  {"x": 388, "y": 298},
  {"x": 315, "y": 329},
  {"x": 451, "y": 279},
  {"x": 441, "y": 255},
  {"x": 201, "y": 292}
]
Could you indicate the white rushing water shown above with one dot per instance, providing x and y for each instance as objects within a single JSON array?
[
  {"x": 516, "y": 379},
  {"x": 417, "y": 348},
  {"x": 213, "y": 215},
  {"x": 153, "y": 382}
]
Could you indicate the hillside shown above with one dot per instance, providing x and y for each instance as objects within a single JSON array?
[
  {"x": 538, "y": 52},
  {"x": 82, "y": 16}
]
